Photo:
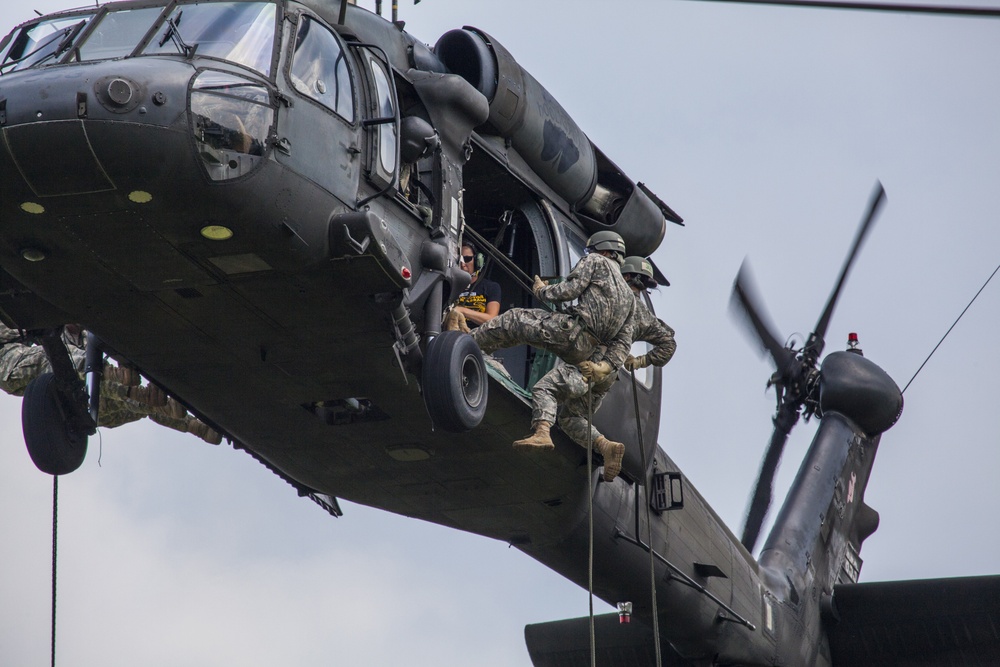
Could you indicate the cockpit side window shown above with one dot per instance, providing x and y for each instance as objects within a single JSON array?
[
  {"x": 117, "y": 33},
  {"x": 319, "y": 68},
  {"x": 239, "y": 32},
  {"x": 42, "y": 43}
]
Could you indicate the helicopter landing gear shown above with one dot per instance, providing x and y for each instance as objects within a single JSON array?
[
  {"x": 55, "y": 445},
  {"x": 54, "y": 412},
  {"x": 454, "y": 382}
]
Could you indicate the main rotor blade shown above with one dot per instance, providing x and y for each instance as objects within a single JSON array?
[
  {"x": 784, "y": 420},
  {"x": 990, "y": 12},
  {"x": 874, "y": 204},
  {"x": 746, "y": 302}
]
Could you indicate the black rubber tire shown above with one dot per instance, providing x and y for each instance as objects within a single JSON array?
[
  {"x": 455, "y": 382},
  {"x": 52, "y": 445}
]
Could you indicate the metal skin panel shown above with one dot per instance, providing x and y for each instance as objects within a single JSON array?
[{"x": 931, "y": 622}]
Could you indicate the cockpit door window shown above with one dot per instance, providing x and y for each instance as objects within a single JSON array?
[
  {"x": 238, "y": 32},
  {"x": 319, "y": 68}
]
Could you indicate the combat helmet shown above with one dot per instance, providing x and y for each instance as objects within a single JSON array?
[
  {"x": 639, "y": 266},
  {"x": 608, "y": 241}
]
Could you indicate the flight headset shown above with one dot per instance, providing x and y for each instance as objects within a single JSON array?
[{"x": 480, "y": 260}]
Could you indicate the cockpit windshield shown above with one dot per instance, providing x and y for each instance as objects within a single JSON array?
[
  {"x": 117, "y": 33},
  {"x": 42, "y": 42},
  {"x": 240, "y": 32}
]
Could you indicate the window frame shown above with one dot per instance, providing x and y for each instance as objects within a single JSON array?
[{"x": 293, "y": 35}]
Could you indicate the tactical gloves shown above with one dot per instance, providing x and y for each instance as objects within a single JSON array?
[
  {"x": 537, "y": 286},
  {"x": 595, "y": 371},
  {"x": 635, "y": 363}
]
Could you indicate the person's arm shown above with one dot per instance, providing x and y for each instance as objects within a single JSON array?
[
  {"x": 491, "y": 291},
  {"x": 664, "y": 345},
  {"x": 475, "y": 317},
  {"x": 575, "y": 283}
]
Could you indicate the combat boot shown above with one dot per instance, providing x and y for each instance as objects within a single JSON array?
[
  {"x": 123, "y": 375},
  {"x": 613, "y": 453},
  {"x": 150, "y": 396},
  {"x": 455, "y": 321},
  {"x": 538, "y": 439},
  {"x": 199, "y": 428},
  {"x": 172, "y": 409}
]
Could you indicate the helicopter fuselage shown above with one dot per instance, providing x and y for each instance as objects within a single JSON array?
[{"x": 260, "y": 205}]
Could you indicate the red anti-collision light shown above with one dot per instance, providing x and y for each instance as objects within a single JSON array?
[{"x": 405, "y": 272}]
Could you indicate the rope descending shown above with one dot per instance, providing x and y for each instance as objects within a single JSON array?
[
  {"x": 55, "y": 532},
  {"x": 649, "y": 527}
]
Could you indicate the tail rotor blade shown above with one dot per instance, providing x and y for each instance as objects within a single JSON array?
[
  {"x": 746, "y": 302},
  {"x": 874, "y": 204},
  {"x": 761, "y": 499}
]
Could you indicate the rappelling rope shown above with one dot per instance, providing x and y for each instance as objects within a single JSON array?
[
  {"x": 590, "y": 517},
  {"x": 950, "y": 328},
  {"x": 649, "y": 525},
  {"x": 55, "y": 532}
]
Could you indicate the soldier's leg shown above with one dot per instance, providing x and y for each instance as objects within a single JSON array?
[
  {"x": 576, "y": 415},
  {"x": 555, "y": 332},
  {"x": 544, "y": 405},
  {"x": 501, "y": 331},
  {"x": 188, "y": 424},
  {"x": 559, "y": 384},
  {"x": 19, "y": 365},
  {"x": 574, "y": 422}
]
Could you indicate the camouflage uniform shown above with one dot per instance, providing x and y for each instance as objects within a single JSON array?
[
  {"x": 642, "y": 326},
  {"x": 21, "y": 363},
  {"x": 593, "y": 328}
]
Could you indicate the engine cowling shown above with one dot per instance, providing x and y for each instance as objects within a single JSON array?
[{"x": 551, "y": 143}]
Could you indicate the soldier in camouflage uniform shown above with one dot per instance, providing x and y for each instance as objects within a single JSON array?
[
  {"x": 123, "y": 399},
  {"x": 589, "y": 336},
  {"x": 642, "y": 326}
]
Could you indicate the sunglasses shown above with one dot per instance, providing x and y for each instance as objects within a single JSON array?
[{"x": 466, "y": 258}]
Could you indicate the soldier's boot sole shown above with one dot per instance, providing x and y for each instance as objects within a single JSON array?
[
  {"x": 613, "y": 453},
  {"x": 538, "y": 440}
]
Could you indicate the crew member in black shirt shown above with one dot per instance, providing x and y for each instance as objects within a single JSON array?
[{"x": 480, "y": 302}]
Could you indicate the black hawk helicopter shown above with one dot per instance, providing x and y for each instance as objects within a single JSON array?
[{"x": 265, "y": 304}]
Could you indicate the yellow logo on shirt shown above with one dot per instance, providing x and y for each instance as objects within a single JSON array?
[{"x": 476, "y": 302}]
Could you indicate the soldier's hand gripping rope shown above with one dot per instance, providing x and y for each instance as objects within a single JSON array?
[{"x": 595, "y": 371}]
